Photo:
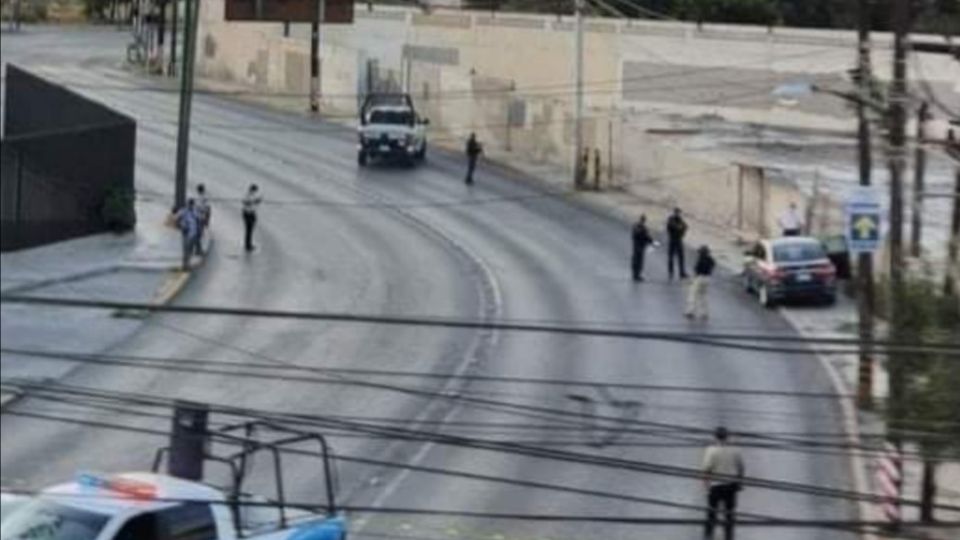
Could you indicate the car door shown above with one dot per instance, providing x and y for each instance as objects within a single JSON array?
[{"x": 752, "y": 260}]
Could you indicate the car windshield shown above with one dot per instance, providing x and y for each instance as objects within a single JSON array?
[
  {"x": 47, "y": 520},
  {"x": 400, "y": 118},
  {"x": 798, "y": 252}
]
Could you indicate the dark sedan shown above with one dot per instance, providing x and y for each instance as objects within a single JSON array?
[{"x": 787, "y": 268}]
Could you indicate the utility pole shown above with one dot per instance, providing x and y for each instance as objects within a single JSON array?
[
  {"x": 866, "y": 303},
  {"x": 919, "y": 166},
  {"x": 953, "y": 246},
  {"x": 578, "y": 172},
  {"x": 900, "y": 23},
  {"x": 315, "y": 57},
  {"x": 16, "y": 15},
  {"x": 174, "y": 24},
  {"x": 190, "y": 16}
]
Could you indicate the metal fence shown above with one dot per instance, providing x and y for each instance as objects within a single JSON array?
[{"x": 67, "y": 165}]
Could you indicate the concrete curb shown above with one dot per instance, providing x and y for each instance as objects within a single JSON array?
[
  {"x": 165, "y": 294},
  {"x": 851, "y": 426}
]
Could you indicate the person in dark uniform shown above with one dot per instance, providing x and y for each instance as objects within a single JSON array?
[
  {"x": 474, "y": 149},
  {"x": 641, "y": 239},
  {"x": 250, "y": 203},
  {"x": 676, "y": 230}
]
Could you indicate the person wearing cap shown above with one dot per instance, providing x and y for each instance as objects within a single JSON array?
[
  {"x": 697, "y": 295},
  {"x": 723, "y": 472}
]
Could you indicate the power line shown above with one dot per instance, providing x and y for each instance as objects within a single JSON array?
[
  {"x": 471, "y": 443},
  {"x": 702, "y": 338},
  {"x": 445, "y": 472},
  {"x": 785, "y": 444},
  {"x": 115, "y": 359}
]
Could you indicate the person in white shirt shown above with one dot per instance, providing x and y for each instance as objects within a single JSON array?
[
  {"x": 203, "y": 212},
  {"x": 791, "y": 222},
  {"x": 723, "y": 472},
  {"x": 250, "y": 203}
]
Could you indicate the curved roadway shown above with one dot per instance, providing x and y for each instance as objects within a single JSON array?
[{"x": 388, "y": 240}]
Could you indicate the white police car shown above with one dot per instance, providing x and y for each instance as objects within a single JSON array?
[{"x": 150, "y": 506}]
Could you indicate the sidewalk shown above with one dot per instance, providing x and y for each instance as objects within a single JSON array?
[{"x": 141, "y": 266}]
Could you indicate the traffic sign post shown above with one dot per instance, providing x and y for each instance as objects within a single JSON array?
[{"x": 863, "y": 222}]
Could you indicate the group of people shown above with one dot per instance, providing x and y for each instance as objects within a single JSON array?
[
  {"x": 676, "y": 231},
  {"x": 193, "y": 221}
]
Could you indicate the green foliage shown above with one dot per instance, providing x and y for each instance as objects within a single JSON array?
[
  {"x": 931, "y": 401},
  {"x": 118, "y": 212}
]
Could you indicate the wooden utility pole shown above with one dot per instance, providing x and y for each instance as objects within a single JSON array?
[
  {"x": 579, "y": 168},
  {"x": 900, "y": 15},
  {"x": 919, "y": 166},
  {"x": 866, "y": 303}
]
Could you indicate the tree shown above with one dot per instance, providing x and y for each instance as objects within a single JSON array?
[{"x": 928, "y": 413}]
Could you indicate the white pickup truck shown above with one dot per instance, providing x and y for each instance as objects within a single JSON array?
[
  {"x": 154, "y": 506},
  {"x": 148, "y": 506},
  {"x": 390, "y": 128}
]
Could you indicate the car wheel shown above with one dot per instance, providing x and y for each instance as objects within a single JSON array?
[
  {"x": 422, "y": 154},
  {"x": 362, "y": 158},
  {"x": 763, "y": 294},
  {"x": 830, "y": 299}
]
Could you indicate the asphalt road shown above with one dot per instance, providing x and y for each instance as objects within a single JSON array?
[{"x": 393, "y": 240}]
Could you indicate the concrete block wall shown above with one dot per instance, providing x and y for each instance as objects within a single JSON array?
[{"x": 508, "y": 77}]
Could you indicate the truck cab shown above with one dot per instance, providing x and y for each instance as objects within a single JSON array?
[
  {"x": 390, "y": 128},
  {"x": 154, "y": 506}
]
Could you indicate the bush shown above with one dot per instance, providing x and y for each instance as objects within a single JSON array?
[{"x": 118, "y": 212}]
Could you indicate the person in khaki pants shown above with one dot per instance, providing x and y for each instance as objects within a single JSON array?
[{"x": 697, "y": 294}]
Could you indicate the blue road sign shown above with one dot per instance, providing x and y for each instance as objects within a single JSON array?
[{"x": 863, "y": 223}]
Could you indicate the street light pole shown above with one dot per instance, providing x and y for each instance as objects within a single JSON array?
[
  {"x": 578, "y": 171},
  {"x": 866, "y": 303},
  {"x": 190, "y": 16}
]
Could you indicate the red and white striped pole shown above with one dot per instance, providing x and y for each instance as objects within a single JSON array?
[{"x": 890, "y": 480}]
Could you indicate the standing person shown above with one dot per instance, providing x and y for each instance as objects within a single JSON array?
[
  {"x": 641, "y": 239},
  {"x": 250, "y": 203},
  {"x": 697, "y": 296},
  {"x": 676, "y": 230},
  {"x": 791, "y": 222},
  {"x": 723, "y": 472},
  {"x": 203, "y": 212},
  {"x": 474, "y": 149},
  {"x": 189, "y": 224}
]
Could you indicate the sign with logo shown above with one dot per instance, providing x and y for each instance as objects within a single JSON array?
[{"x": 863, "y": 224}]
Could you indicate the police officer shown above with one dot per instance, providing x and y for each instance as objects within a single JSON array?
[
  {"x": 676, "y": 230},
  {"x": 641, "y": 239},
  {"x": 723, "y": 472},
  {"x": 473, "y": 150},
  {"x": 250, "y": 203}
]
